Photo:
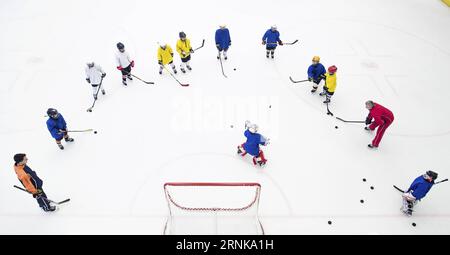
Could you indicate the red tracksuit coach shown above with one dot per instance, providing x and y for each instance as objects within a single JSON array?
[{"x": 382, "y": 117}]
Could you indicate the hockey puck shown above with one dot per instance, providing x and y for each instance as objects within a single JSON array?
[
  {"x": 95, "y": 132},
  {"x": 270, "y": 106},
  {"x": 231, "y": 126},
  {"x": 362, "y": 201},
  {"x": 336, "y": 127},
  {"x": 89, "y": 110},
  {"x": 371, "y": 187},
  {"x": 414, "y": 224},
  {"x": 364, "y": 179},
  {"x": 234, "y": 69},
  {"x": 329, "y": 222}
]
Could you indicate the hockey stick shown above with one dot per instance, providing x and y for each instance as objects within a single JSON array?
[
  {"x": 51, "y": 201},
  {"x": 96, "y": 94},
  {"x": 85, "y": 130},
  {"x": 294, "y": 42},
  {"x": 296, "y": 81},
  {"x": 351, "y": 121},
  {"x": 221, "y": 66},
  {"x": 184, "y": 85},
  {"x": 146, "y": 82},
  {"x": 399, "y": 189},
  {"x": 276, "y": 43},
  {"x": 203, "y": 44},
  {"x": 441, "y": 181}
]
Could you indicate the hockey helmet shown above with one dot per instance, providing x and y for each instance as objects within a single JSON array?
[
  {"x": 253, "y": 128},
  {"x": 316, "y": 59},
  {"x": 120, "y": 46},
  {"x": 182, "y": 35},
  {"x": 332, "y": 69},
  {"x": 52, "y": 113},
  {"x": 432, "y": 175},
  {"x": 273, "y": 27},
  {"x": 90, "y": 64},
  {"x": 19, "y": 157}
]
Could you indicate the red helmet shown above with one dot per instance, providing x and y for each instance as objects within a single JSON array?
[{"x": 332, "y": 69}]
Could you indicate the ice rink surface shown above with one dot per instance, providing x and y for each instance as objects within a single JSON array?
[{"x": 393, "y": 52}]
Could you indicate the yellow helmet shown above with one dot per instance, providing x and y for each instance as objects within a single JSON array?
[{"x": 316, "y": 59}]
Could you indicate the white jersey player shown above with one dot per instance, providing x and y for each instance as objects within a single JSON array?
[{"x": 94, "y": 76}]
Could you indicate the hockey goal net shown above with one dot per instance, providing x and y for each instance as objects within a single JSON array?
[{"x": 213, "y": 208}]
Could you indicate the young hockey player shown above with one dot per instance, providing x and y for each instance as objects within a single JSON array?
[
  {"x": 94, "y": 76},
  {"x": 57, "y": 127},
  {"x": 165, "y": 56},
  {"x": 223, "y": 41},
  {"x": 316, "y": 72},
  {"x": 382, "y": 117},
  {"x": 184, "y": 49},
  {"x": 31, "y": 182},
  {"x": 124, "y": 63},
  {"x": 330, "y": 84},
  {"x": 251, "y": 146},
  {"x": 271, "y": 39},
  {"x": 418, "y": 190}
]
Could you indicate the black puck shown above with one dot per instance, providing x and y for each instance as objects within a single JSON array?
[
  {"x": 364, "y": 179},
  {"x": 362, "y": 201},
  {"x": 234, "y": 69},
  {"x": 414, "y": 224},
  {"x": 231, "y": 126},
  {"x": 329, "y": 222},
  {"x": 95, "y": 132},
  {"x": 371, "y": 187},
  {"x": 336, "y": 127},
  {"x": 270, "y": 106}
]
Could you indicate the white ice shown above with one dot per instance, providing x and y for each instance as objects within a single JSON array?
[{"x": 394, "y": 52}]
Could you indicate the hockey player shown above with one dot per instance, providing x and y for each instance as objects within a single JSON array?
[
  {"x": 57, "y": 127},
  {"x": 251, "y": 146},
  {"x": 184, "y": 49},
  {"x": 382, "y": 117},
  {"x": 330, "y": 84},
  {"x": 31, "y": 181},
  {"x": 418, "y": 190},
  {"x": 94, "y": 76},
  {"x": 316, "y": 72},
  {"x": 271, "y": 39},
  {"x": 223, "y": 41},
  {"x": 124, "y": 63},
  {"x": 165, "y": 56}
]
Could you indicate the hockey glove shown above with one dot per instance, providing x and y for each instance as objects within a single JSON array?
[
  {"x": 103, "y": 75},
  {"x": 88, "y": 80},
  {"x": 191, "y": 50},
  {"x": 132, "y": 63},
  {"x": 263, "y": 43},
  {"x": 310, "y": 79},
  {"x": 280, "y": 42},
  {"x": 38, "y": 193},
  {"x": 368, "y": 121},
  {"x": 171, "y": 54},
  {"x": 119, "y": 68},
  {"x": 367, "y": 128},
  {"x": 160, "y": 62}
]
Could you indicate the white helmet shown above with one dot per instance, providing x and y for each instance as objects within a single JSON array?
[
  {"x": 222, "y": 26},
  {"x": 273, "y": 27},
  {"x": 90, "y": 64},
  {"x": 253, "y": 128}
]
